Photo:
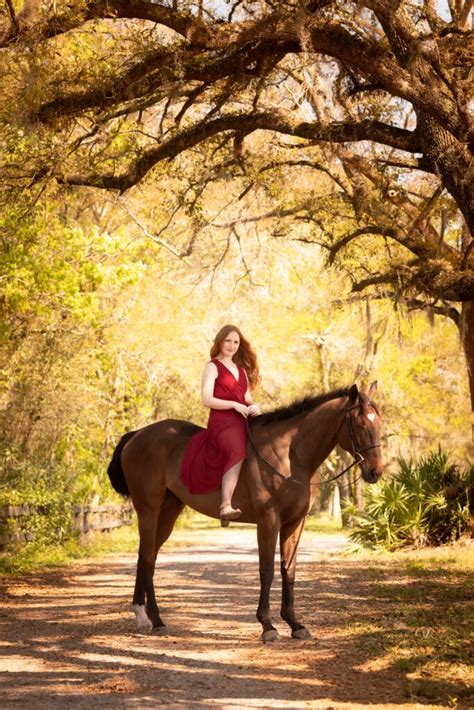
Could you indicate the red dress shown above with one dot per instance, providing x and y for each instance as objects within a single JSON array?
[{"x": 210, "y": 453}]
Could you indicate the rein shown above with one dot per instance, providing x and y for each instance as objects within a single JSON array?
[{"x": 357, "y": 453}]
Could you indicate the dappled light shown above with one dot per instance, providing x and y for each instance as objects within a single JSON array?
[{"x": 381, "y": 629}]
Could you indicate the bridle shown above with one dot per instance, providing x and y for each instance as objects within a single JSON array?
[
  {"x": 350, "y": 429},
  {"x": 357, "y": 453}
]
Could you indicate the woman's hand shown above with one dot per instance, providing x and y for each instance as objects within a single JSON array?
[
  {"x": 254, "y": 409},
  {"x": 242, "y": 409}
]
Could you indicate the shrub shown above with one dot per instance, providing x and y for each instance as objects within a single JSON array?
[
  {"x": 45, "y": 506},
  {"x": 426, "y": 503}
]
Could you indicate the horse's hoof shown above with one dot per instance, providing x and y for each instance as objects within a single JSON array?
[
  {"x": 144, "y": 625},
  {"x": 302, "y": 633},
  {"x": 159, "y": 630},
  {"x": 271, "y": 635}
]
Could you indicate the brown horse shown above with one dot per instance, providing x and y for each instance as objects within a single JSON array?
[{"x": 276, "y": 489}]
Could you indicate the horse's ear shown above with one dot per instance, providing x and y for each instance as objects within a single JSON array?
[
  {"x": 353, "y": 394},
  {"x": 372, "y": 389}
]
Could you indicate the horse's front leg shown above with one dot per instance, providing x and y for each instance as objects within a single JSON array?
[
  {"x": 267, "y": 534},
  {"x": 289, "y": 539}
]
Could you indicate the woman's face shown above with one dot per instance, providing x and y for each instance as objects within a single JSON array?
[{"x": 230, "y": 344}]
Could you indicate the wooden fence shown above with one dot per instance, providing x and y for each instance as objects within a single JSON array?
[{"x": 86, "y": 519}]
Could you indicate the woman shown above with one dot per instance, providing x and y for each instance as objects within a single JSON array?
[{"x": 214, "y": 456}]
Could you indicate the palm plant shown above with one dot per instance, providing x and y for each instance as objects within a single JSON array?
[{"x": 426, "y": 503}]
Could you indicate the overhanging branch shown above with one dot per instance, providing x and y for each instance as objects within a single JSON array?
[
  {"x": 371, "y": 229},
  {"x": 279, "y": 33},
  {"x": 188, "y": 26},
  {"x": 432, "y": 277},
  {"x": 245, "y": 124}
]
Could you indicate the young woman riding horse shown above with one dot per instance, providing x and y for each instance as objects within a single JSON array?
[
  {"x": 215, "y": 456},
  {"x": 277, "y": 486}
]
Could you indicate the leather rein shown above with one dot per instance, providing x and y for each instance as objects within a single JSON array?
[{"x": 357, "y": 453}]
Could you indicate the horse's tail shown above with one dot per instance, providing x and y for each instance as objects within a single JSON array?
[{"x": 115, "y": 470}]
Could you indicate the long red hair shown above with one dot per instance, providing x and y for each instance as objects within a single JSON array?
[{"x": 245, "y": 355}]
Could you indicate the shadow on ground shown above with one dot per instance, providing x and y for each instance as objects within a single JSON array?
[{"x": 68, "y": 636}]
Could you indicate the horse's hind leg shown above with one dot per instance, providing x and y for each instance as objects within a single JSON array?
[
  {"x": 147, "y": 524},
  {"x": 167, "y": 518},
  {"x": 289, "y": 539},
  {"x": 162, "y": 528},
  {"x": 169, "y": 513}
]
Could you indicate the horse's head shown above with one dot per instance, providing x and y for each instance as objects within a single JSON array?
[{"x": 360, "y": 432}]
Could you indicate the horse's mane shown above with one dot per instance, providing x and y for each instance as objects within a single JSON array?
[{"x": 300, "y": 406}]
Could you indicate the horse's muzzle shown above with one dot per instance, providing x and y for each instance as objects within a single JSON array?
[{"x": 372, "y": 475}]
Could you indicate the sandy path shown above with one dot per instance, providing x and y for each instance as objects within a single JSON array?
[{"x": 68, "y": 637}]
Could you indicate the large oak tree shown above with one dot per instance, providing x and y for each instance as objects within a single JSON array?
[{"x": 113, "y": 88}]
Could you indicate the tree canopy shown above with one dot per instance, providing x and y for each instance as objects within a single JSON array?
[
  {"x": 395, "y": 75},
  {"x": 377, "y": 96}
]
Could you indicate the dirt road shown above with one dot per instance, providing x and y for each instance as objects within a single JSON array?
[{"x": 68, "y": 636}]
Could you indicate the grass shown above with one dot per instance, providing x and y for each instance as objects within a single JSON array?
[
  {"x": 35, "y": 556},
  {"x": 323, "y": 525},
  {"x": 420, "y": 619}
]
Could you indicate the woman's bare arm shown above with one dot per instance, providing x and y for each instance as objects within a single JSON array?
[{"x": 253, "y": 408}]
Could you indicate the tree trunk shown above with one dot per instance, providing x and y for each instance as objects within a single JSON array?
[
  {"x": 359, "y": 492},
  {"x": 451, "y": 159},
  {"x": 344, "y": 499},
  {"x": 467, "y": 340},
  {"x": 324, "y": 503}
]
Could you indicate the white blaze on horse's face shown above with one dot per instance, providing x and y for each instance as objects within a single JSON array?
[{"x": 371, "y": 416}]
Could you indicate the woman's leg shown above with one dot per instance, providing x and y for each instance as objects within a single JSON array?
[{"x": 229, "y": 482}]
